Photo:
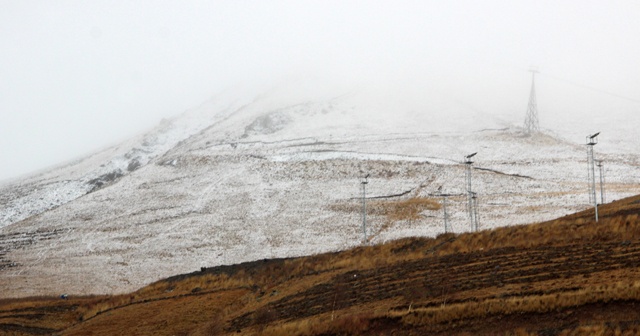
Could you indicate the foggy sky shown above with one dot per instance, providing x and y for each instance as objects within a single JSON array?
[{"x": 76, "y": 76}]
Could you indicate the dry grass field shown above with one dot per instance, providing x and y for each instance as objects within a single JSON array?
[{"x": 570, "y": 276}]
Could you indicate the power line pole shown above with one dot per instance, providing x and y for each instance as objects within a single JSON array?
[
  {"x": 364, "y": 208},
  {"x": 446, "y": 216},
  {"x": 531, "y": 124},
  {"x": 447, "y": 229},
  {"x": 470, "y": 194},
  {"x": 592, "y": 140},
  {"x": 474, "y": 197},
  {"x": 602, "y": 179}
]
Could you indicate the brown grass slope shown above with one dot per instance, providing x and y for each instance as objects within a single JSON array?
[{"x": 570, "y": 276}]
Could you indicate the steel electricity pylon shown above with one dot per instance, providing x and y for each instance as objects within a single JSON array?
[{"x": 531, "y": 124}]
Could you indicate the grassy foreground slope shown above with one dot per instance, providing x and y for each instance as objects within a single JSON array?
[{"x": 570, "y": 276}]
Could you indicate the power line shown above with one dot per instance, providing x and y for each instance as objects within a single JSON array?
[{"x": 593, "y": 88}]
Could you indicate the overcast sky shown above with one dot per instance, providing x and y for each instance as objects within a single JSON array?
[{"x": 76, "y": 76}]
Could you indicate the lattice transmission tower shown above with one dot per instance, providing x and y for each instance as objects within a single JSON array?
[{"x": 531, "y": 120}]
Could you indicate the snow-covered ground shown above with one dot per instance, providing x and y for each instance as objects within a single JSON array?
[{"x": 241, "y": 179}]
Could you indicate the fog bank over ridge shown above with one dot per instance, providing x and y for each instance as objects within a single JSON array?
[{"x": 77, "y": 77}]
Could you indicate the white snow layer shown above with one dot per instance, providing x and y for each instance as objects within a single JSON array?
[{"x": 245, "y": 179}]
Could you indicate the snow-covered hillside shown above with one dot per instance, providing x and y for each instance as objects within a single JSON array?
[{"x": 278, "y": 174}]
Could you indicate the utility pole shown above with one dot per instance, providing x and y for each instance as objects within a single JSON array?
[
  {"x": 474, "y": 197},
  {"x": 602, "y": 179},
  {"x": 447, "y": 229},
  {"x": 531, "y": 124},
  {"x": 446, "y": 216},
  {"x": 364, "y": 208},
  {"x": 470, "y": 193},
  {"x": 592, "y": 140}
]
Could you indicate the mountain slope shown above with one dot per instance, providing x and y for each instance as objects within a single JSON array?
[
  {"x": 566, "y": 276},
  {"x": 278, "y": 175}
]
